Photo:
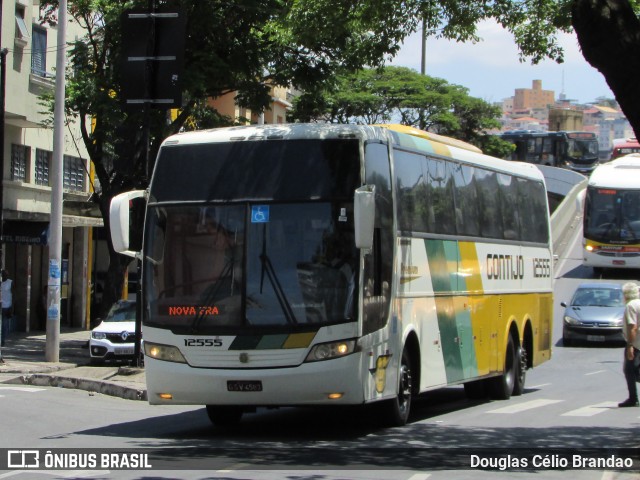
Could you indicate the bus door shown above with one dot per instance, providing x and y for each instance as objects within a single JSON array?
[
  {"x": 377, "y": 278},
  {"x": 550, "y": 152}
]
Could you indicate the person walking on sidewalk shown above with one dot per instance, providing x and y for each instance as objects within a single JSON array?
[
  {"x": 6, "y": 289},
  {"x": 631, "y": 293}
]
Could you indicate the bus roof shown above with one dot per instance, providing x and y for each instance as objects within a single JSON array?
[
  {"x": 396, "y": 127},
  {"x": 623, "y": 172},
  {"x": 425, "y": 142}
]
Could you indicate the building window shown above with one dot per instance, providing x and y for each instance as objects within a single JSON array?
[
  {"x": 73, "y": 173},
  {"x": 19, "y": 156},
  {"x": 22, "y": 32},
  {"x": 43, "y": 161},
  {"x": 39, "y": 51}
]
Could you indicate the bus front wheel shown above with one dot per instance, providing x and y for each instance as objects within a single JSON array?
[
  {"x": 224, "y": 416},
  {"x": 396, "y": 410}
]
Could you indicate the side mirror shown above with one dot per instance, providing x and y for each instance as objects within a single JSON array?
[
  {"x": 364, "y": 214},
  {"x": 119, "y": 220},
  {"x": 563, "y": 304}
]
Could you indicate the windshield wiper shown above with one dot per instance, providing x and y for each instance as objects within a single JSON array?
[
  {"x": 211, "y": 294},
  {"x": 267, "y": 267}
]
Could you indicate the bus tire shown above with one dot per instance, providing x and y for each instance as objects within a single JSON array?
[
  {"x": 521, "y": 371},
  {"x": 396, "y": 411},
  {"x": 224, "y": 416},
  {"x": 501, "y": 387}
]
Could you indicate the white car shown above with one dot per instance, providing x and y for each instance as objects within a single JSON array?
[{"x": 114, "y": 338}]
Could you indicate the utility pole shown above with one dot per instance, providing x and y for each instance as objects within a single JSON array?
[
  {"x": 3, "y": 88},
  {"x": 52, "y": 349}
]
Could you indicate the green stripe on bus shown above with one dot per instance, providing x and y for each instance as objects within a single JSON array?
[
  {"x": 454, "y": 316},
  {"x": 271, "y": 341}
]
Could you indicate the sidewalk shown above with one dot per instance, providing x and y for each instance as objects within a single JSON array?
[{"x": 25, "y": 364}]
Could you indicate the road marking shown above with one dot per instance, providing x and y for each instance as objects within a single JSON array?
[
  {"x": 521, "y": 407},
  {"x": 22, "y": 389},
  {"x": 590, "y": 410},
  {"x": 538, "y": 386},
  {"x": 595, "y": 373},
  {"x": 419, "y": 476}
]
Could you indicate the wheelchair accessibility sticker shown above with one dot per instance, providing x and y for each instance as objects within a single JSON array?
[{"x": 260, "y": 214}]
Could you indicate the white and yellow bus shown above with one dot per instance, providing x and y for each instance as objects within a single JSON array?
[
  {"x": 338, "y": 265},
  {"x": 611, "y": 227}
]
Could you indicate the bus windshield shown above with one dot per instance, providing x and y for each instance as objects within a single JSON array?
[
  {"x": 613, "y": 215},
  {"x": 253, "y": 262},
  {"x": 578, "y": 149}
]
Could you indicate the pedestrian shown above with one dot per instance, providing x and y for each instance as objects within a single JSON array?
[
  {"x": 7, "y": 304},
  {"x": 631, "y": 293}
]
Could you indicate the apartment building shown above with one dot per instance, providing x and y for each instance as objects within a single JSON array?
[
  {"x": 26, "y": 160},
  {"x": 276, "y": 113},
  {"x": 534, "y": 97}
]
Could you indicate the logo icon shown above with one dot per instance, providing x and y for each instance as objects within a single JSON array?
[{"x": 23, "y": 459}]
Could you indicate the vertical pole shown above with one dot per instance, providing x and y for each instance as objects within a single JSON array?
[
  {"x": 3, "y": 87},
  {"x": 423, "y": 60},
  {"x": 52, "y": 349}
]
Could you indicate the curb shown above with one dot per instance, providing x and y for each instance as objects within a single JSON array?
[{"x": 91, "y": 386}]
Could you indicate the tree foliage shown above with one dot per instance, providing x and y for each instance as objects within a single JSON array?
[{"x": 401, "y": 95}]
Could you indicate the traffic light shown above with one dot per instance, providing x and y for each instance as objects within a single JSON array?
[{"x": 153, "y": 54}]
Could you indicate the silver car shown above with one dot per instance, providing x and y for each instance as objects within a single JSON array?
[{"x": 594, "y": 314}]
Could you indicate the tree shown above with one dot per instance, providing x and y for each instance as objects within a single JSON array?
[
  {"x": 399, "y": 94},
  {"x": 609, "y": 35},
  {"x": 237, "y": 46}
]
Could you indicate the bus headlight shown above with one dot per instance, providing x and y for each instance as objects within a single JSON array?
[
  {"x": 571, "y": 320},
  {"x": 167, "y": 353},
  {"x": 329, "y": 350}
]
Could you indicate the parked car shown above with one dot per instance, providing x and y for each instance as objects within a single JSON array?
[
  {"x": 594, "y": 314},
  {"x": 114, "y": 337}
]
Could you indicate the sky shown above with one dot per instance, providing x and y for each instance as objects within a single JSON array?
[{"x": 491, "y": 69}]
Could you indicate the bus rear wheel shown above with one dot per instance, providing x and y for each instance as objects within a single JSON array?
[
  {"x": 224, "y": 416},
  {"x": 521, "y": 371},
  {"x": 501, "y": 387},
  {"x": 396, "y": 411}
]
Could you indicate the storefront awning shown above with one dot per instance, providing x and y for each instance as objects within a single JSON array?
[{"x": 27, "y": 233}]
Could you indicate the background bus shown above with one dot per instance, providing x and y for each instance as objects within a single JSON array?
[
  {"x": 574, "y": 150},
  {"x": 611, "y": 226},
  {"x": 280, "y": 267},
  {"x": 625, "y": 147}
]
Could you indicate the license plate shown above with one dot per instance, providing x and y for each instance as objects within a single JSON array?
[
  {"x": 124, "y": 351},
  {"x": 595, "y": 338},
  {"x": 244, "y": 385},
  {"x": 619, "y": 262}
]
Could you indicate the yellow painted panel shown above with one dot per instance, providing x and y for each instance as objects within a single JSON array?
[{"x": 299, "y": 340}]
